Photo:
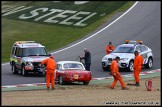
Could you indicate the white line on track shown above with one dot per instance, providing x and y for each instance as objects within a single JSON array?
[
  {"x": 94, "y": 33},
  {"x": 99, "y": 30}
]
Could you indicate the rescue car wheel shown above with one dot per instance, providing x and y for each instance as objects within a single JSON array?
[
  {"x": 85, "y": 83},
  {"x": 61, "y": 81},
  {"x": 23, "y": 72},
  {"x": 131, "y": 65},
  {"x": 14, "y": 70},
  {"x": 105, "y": 68},
  {"x": 149, "y": 63}
]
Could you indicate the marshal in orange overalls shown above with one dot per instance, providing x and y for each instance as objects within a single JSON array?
[
  {"x": 115, "y": 73},
  {"x": 50, "y": 67},
  {"x": 138, "y": 61},
  {"x": 109, "y": 48}
]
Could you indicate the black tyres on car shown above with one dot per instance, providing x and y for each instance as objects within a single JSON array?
[
  {"x": 149, "y": 63},
  {"x": 61, "y": 81},
  {"x": 131, "y": 65},
  {"x": 85, "y": 83},
  {"x": 42, "y": 74},
  {"x": 106, "y": 68},
  {"x": 23, "y": 71},
  {"x": 45, "y": 79},
  {"x": 13, "y": 69}
]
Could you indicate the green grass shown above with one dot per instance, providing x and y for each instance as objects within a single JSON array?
[{"x": 52, "y": 36}]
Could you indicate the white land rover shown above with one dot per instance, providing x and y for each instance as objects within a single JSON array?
[
  {"x": 26, "y": 56},
  {"x": 126, "y": 54}
]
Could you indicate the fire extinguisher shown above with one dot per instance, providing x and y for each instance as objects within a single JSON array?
[{"x": 148, "y": 84}]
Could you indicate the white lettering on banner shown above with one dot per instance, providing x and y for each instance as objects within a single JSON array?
[
  {"x": 18, "y": 9},
  {"x": 81, "y": 24},
  {"x": 80, "y": 2},
  {"x": 52, "y": 11},
  {"x": 34, "y": 13},
  {"x": 61, "y": 15},
  {"x": 74, "y": 17}
]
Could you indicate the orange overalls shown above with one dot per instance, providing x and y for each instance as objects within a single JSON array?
[
  {"x": 138, "y": 61},
  {"x": 115, "y": 69},
  {"x": 50, "y": 67},
  {"x": 109, "y": 48}
]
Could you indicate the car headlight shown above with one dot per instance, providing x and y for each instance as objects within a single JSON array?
[
  {"x": 124, "y": 59},
  {"x": 29, "y": 64},
  {"x": 104, "y": 58}
]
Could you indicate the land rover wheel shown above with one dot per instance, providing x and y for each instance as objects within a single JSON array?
[
  {"x": 23, "y": 71},
  {"x": 105, "y": 68},
  {"x": 14, "y": 70}
]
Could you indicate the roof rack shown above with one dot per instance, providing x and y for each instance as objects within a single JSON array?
[{"x": 134, "y": 42}]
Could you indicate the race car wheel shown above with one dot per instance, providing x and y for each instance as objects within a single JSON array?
[
  {"x": 149, "y": 63},
  {"x": 61, "y": 81},
  {"x": 14, "y": 70},
  {"x": 23, "y": 72},
  {"x": 85, "y": 83},
  {"x": 131, "y": 65}
]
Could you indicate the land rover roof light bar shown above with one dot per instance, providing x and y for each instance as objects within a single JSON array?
[{"x": 21, "y": 42}]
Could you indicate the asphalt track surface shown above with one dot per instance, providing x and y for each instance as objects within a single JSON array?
[{"x": 143, "y": 22}]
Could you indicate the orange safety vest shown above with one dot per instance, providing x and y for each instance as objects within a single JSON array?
[
  {"x": 138, "y": 62},
  {"x": 109, "y": 48},
  {"x": 50, "y": 63},
  {"x": 114, "y": 67}
]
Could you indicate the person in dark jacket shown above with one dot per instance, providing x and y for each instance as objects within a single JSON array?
[{"x": 87, "y": 59}]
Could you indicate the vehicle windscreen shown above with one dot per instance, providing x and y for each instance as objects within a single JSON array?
[
  {"x": 72, "y": 66},
  {"x": 34, "y": 51},
  {"x": 121, "y": 49}
]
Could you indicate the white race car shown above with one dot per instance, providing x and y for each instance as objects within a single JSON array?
[{"x": 126, "y": 54}]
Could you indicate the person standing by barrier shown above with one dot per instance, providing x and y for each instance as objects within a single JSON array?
[
  {"x": 115, "y": 73},
  {"x": 138, "y": 62},
  {"x": 109, "y": 48},
  {"x": 87, "y": 58},
  {"x": 50, "y": 71}
]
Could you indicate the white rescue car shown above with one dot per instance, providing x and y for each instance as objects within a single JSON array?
[{"x": 126, "y": 54}]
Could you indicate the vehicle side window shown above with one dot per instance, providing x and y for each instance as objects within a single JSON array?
[
  {"x": 13, "y": 51},
  {"x": 17, "y": 51},
  {"x": 138, "y": 49},
  {"x": 143, "y": 48},
  {"x": 66, "y": 66},
  {"x": 58, "y": 67},
  {"x": 80, "y": 66},
  {"x": 20, "y": 52}
]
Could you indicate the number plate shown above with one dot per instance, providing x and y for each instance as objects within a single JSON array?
[{"x": 75, "y": 76}]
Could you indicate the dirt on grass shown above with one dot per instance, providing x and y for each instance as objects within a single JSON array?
[{"x": 98, "y": 94}]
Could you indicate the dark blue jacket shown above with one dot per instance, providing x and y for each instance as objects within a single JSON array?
[{"x": 87, "y": 57}]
